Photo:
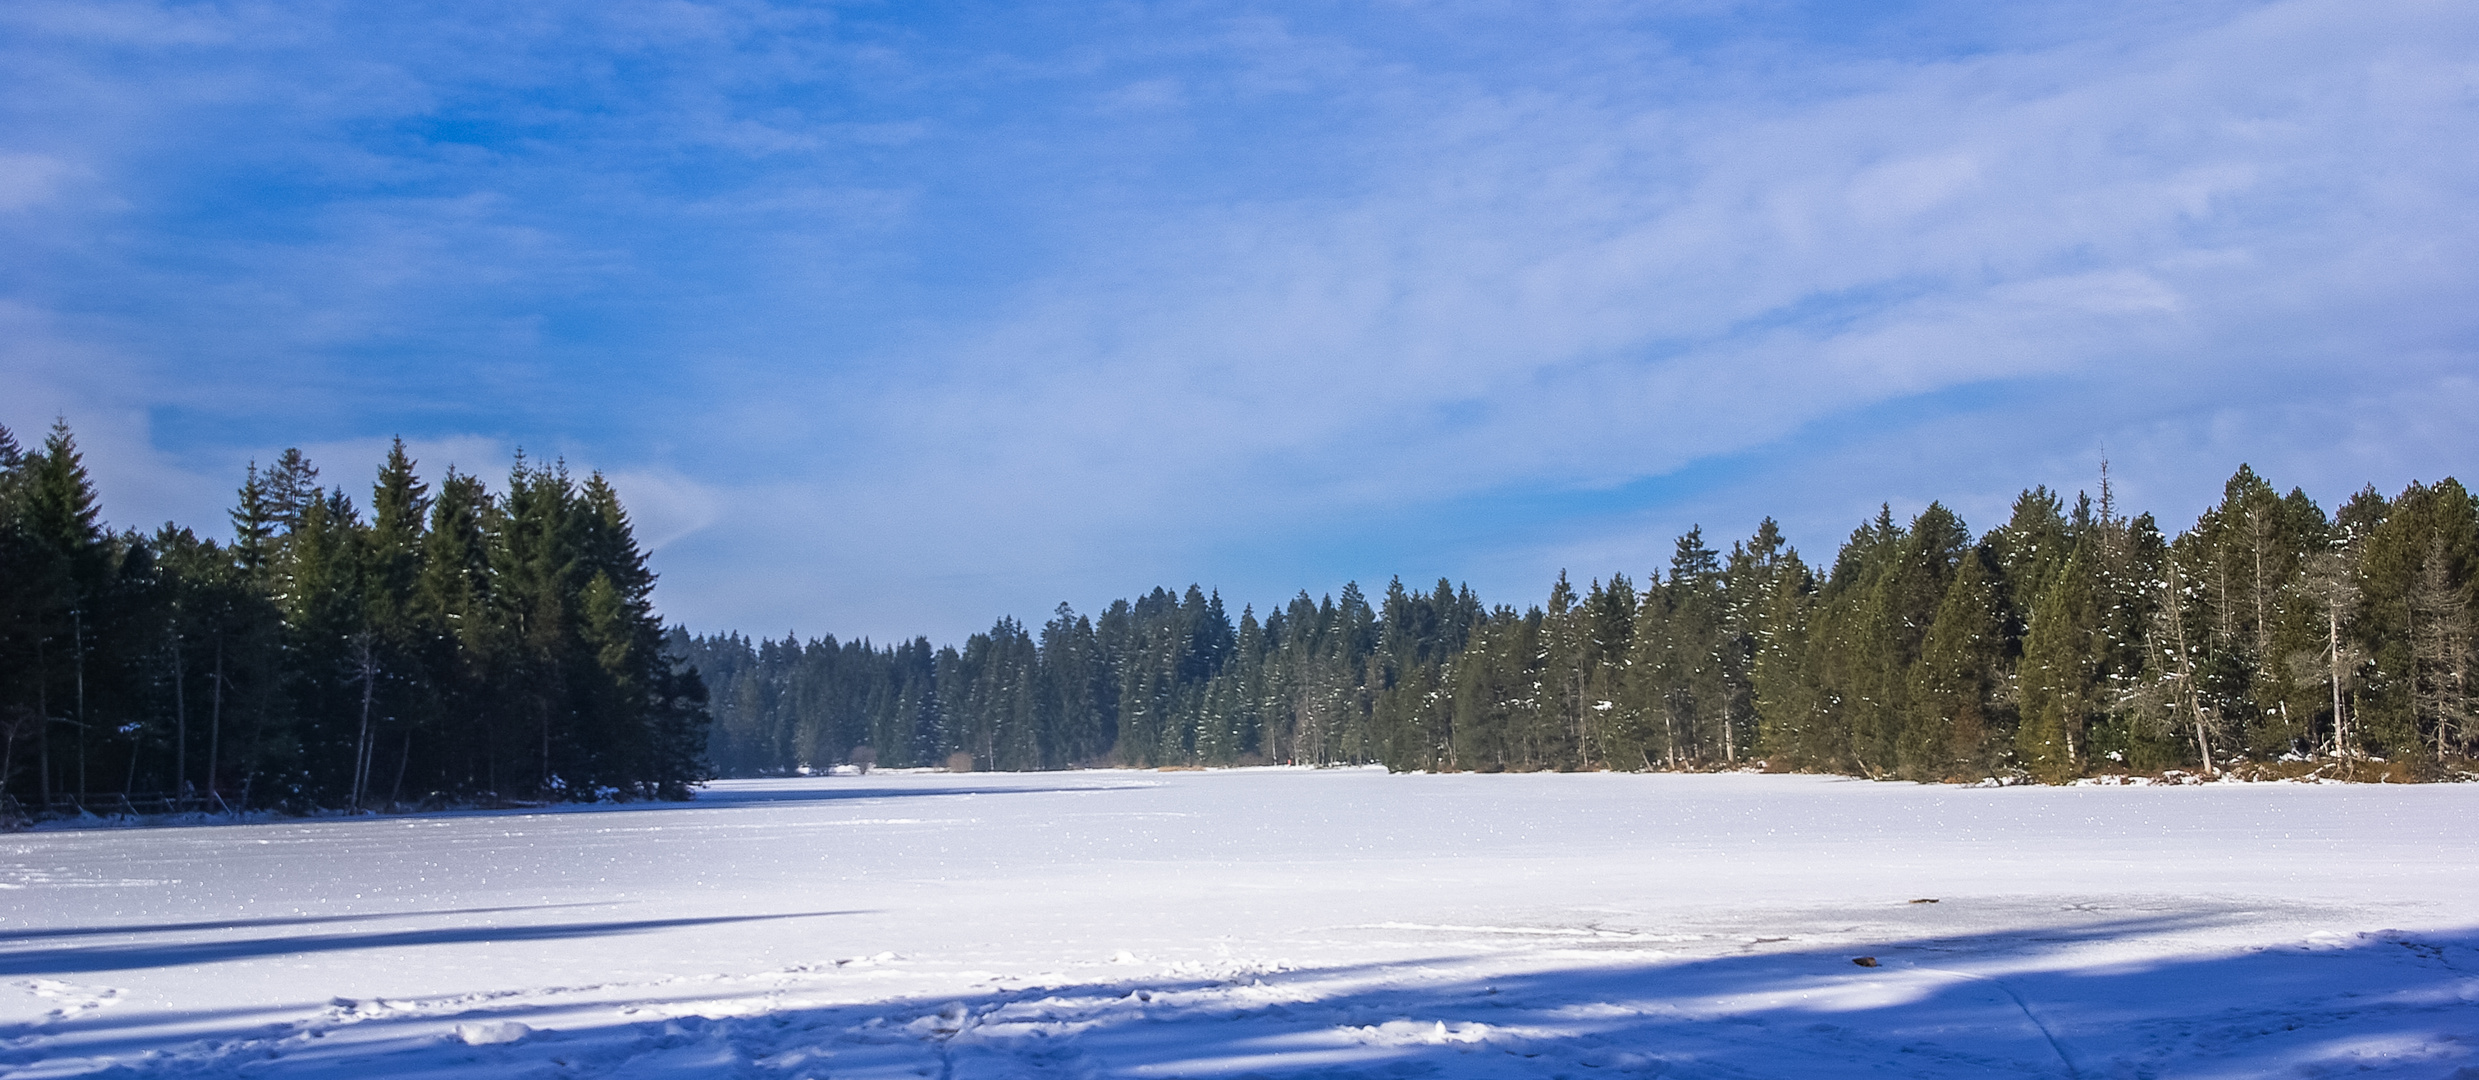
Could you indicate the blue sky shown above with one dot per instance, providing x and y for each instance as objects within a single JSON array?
[{"x": 890, "y": 319}]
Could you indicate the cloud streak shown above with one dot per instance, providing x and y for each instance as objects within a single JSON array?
[{"x": 901, "y": 325}]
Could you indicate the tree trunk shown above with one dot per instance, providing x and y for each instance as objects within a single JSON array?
[
  {"x": 42, "y": 721},
  {"x": 367, "y": 659},
  {"x": 395, "y": 794},
  {"x": 180, "y": 722},
  {"x": 215, "y": 715},
  {"x": 2186, "y": 668},
  {"x": 1730, "y": 739},
  {"x": 2340, "y": 728},
  {"x": 8, "y": 752},
  {"x": 78, "y": 619}
]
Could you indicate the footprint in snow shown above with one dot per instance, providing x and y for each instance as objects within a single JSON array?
[{"x": 75, "y": 1001}]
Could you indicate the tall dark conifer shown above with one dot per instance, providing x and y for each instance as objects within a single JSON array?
[{"x": 1953, "y": 726}]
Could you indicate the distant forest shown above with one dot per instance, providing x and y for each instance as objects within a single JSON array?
[
  {"x": 2070, "y": 640},
  {"x": 455, "y": 646}
]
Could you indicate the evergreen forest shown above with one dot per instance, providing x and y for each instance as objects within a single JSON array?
[
  {"x": 2069, "y": 640},
  {"x": 451, "y": 647},
  {"x": 465, "y": 646}
]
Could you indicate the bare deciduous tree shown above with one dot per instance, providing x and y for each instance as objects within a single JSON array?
[
  {"x": 2330, "y": 581},
  {"x": 2180, "y": 699}
]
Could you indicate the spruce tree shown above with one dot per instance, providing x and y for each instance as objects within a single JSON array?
[
  {"x": 69, "y": 562},
  {"x": 1792, "y": 721},
  {"x": 2416, "y": 567},
  {"x": 2060, "y": 672},
  {"x": 1953, "y": 728}
]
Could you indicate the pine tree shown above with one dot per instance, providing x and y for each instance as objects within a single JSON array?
[
  {"x": 1606, "y": 624},
  {"x": 2245, "y": 555},
  {"x": 291, "y": 666},
  {"x": 390, "y": 647},
  {"x": 334, "y": 663},
  {"x": 535, "y": 570},
  {"x": 66, "y": 574},
  {"x": 2415, "y": 566},
  {"x": 1565, "y": 669},
  {"x": 26, "y": 592},
  {"x": 460, "y": 637},
  {"x": 292, "y": 487},
  {"x": 2061, "y": 671},
  {"x": 2031, "y": 547},
  {"x": 1792, "y": 724},
  {"x": 1953, "y": 727},
  {"x": 2441, "y": 653},
  {"x": 1496, "y": 683},
  {"x": 1679, "y": 693}
]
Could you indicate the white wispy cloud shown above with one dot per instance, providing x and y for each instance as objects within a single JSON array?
[
  {"x": 899, "y": 326},
  {"x": 1572, "y": 286}
]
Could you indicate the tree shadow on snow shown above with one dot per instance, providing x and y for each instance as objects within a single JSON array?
[
  {"x": 88, "y": 959},
  {"x": 706, "y": 799},
  {"x": 13, "y": 935},
  {"x": 2008, "y": 1003},
  {"x": 709, "y": 798}
]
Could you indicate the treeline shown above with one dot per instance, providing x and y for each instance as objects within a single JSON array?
[
  {"x": 2069, "y": 639},
  {"x": 451, "y": 646}
]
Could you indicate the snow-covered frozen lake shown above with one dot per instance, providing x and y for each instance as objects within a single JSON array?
[{"x": 1271, "y": 922}]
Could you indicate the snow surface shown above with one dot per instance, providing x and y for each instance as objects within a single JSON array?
[{"x": 1271, "y": 922}]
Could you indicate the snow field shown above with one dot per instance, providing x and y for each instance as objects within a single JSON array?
[{"x": 1270, "y": 922}]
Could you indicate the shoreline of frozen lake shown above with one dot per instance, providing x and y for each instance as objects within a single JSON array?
[{"x": 1270, "y": 922}]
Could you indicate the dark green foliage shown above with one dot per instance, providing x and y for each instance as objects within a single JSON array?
[
  {"x": 1686, "y": 676},
  {"x": 1493, "y": 689},
  {"x": 460, "y": 645},
  {"x": 1951, "y": 719},
  {"x": 1418, "y": 635},
  {"x": 1166, "y": 680},
  {"x": 453, "y": 647},
  {"x": 2062, "y": 672},
  {"x": 2413, "y": 625},
  {"x": 2071, "y": 639}
]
